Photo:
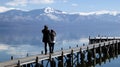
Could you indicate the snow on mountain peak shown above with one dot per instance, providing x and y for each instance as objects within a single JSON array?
[
  {"x": 49, "y": 10},
  {"x": 52, "y": 10},
  {"x": 114, "y": 13}
]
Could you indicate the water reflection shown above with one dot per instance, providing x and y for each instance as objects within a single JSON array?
[{"x": 18, "y": 51}]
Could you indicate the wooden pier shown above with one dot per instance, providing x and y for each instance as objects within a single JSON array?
[
  {"x": 98, "y": 45},
  {"x": 101, "y": 39}
]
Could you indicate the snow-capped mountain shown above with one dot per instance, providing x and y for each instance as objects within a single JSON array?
[
  {"x": 46, "y": 14},
  {"x": 27, "y": 25}
]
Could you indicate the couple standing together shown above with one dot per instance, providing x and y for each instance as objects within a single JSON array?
[{"x": 48, "y": 38}]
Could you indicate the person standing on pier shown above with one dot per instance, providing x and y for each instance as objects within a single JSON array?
[
  {"x": 46, "y": 37},
  {"x": 52, "y": 35}
]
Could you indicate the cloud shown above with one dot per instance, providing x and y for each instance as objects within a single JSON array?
[
  {"x": 65, "y": 1},
  {"x": 41, "y": 1},
  {"x": 20, "y": 50},
  {"x": 17, "y": 2},
  {"x": 24, "y": 49},
  {"x": 74, "y": 5},
  {"x": 4, "y": 9},
  {"x": 84, "y": 40},
  {"x": 3, "y": 47},
  {"x": 25, "y": 2},
  {"x": 75, "y": 42}
]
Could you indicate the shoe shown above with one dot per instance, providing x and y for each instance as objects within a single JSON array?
[
  {"x": 45, "y": 53},
  {"x": 52, "y": 52}
]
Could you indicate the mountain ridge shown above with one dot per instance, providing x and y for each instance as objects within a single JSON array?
[
  {"x": 52, "y": 10},
  {"x": 55, "y": 15}
]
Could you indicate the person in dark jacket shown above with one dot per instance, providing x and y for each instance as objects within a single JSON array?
[
  {"x": 46, "y": 37},
  {"x": 52, "y": 35}
]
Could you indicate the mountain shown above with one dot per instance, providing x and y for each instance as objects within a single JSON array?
[{"x": 18, "y": 26}]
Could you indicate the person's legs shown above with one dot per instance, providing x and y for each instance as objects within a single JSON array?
[
  {"x": 52, "y": 47},
  {"x": 45, "y": 46}
]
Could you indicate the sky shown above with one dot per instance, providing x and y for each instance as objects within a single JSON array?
[{"x": 63, "y": 5}]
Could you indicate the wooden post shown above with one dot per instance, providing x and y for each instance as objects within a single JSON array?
[
  {"x": 116, "y": 45},
  {"x": 52, "y": 63},
  {"x": 12, "y": 58},
  {"x": 108, "y": 48},
  {"x": 89, "y": 55},
  {"x": 116, "y": 48},
  {"x": 89, "y": 37},
  {"x": 114, "y": 38},
  {"x": 119, "y": 46},
  {"x": 94, "y": 62},
  {"x": 113, "y": 45},
  {"x": 18, "y": 63},
  {"x": 27, "y": 55},
  {"x": 82, "y": 56},
  {"x": 76, "y": 45},
  {"x": 93, "y": 40},
  {"x": 107, "y": 38},
  {"x": 109, "y": 43},
  {"x": 41, "y": 65},
  {"x": 62, "y": 59},
  {"x": 37, "y": 62},
  {"x": 72, "y": 57},
  {"x": 77, "y": 58},
  {"x": 61, "y": 48},
  {"x": 83, "y": 44},
  {"x": 100, "y": 61},
  {"x": 87, "y": 48},
  {"x": 94, "y": 51},
  {"x": 89, "y": 40},
  {"x": 28, "y": 65},
  {"x": 69, "y": 47},
  {"x": 50, "y": 59},
  {"x": 94, "y": 55},
  {"x": 105, "y": 50},
  {"x": 36, "y": 59},
  {"x": 100, "y": 50},
  {"x": 100, "y": 40},
  {"x": 41, "y": 52},
  {"x": 24, "y": 65}
]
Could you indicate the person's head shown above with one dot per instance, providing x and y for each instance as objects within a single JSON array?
[
  {"x": 52, "y": 30},
  {"x": 45, "y": 27}
]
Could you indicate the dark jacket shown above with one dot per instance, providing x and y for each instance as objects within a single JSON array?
[{"x": 46, "y": 36}]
